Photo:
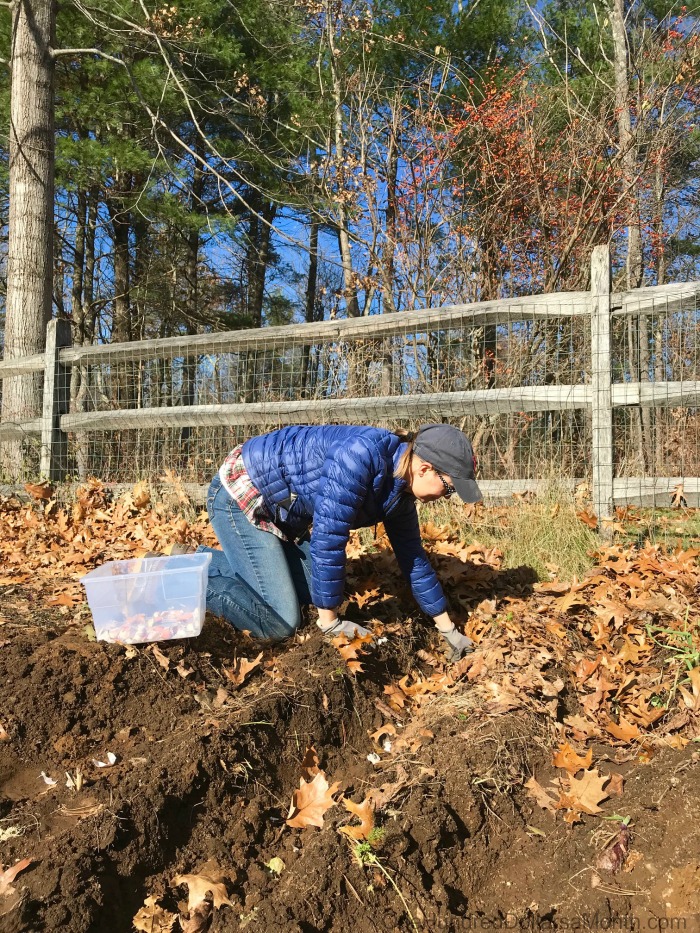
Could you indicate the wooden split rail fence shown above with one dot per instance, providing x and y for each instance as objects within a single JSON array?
[{"x": 600, "y": 394}]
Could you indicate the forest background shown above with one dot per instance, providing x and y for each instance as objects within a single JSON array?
[{"x": 221, "y": 166}]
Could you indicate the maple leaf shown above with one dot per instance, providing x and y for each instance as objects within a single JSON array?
[
  {"x": 152, "y": 918},
  {"x": 540, "y": 795},
  {"x": 210, "y": 881},
  {"x": 9, "y": 874},
  {"x": 240, "y": 670},
  {"x": 587, "y": 792},
  {"x": 311, "y": 801},
  {"x": 566, "y": 757},
  {"x": 365, "y": 813}
]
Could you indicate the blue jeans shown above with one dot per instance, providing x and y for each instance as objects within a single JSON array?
[{"x": 257, "y": 582}]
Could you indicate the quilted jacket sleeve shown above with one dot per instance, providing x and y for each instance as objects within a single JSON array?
[
  {"x": 347, "y": 473},
  {"x": 404, "y": 533}
]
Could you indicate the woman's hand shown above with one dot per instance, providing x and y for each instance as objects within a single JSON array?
[
  {"x": 336, "y": 626},
  {"x": 457, "y": 643}
]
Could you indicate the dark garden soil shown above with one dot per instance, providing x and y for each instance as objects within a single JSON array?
[{"x": 205, "y": 772}]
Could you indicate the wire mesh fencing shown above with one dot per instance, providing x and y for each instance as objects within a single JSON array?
[{"x": 590, "y": 386}]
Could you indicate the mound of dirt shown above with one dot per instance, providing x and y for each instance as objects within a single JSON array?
[{"x": 208, "y": 756}]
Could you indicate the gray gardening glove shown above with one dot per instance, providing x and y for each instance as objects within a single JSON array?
[
  {"x": 343, "y": 627},
  {"x": 457, "y": 644}
]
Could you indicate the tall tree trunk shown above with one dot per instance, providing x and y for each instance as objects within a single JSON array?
[
  {"x": 343, "y": 230},
  {"x": 257, "y": 259},
  {"x": 310, "y": 308},
  {"x": 189, "y": 370},
  {"x": 30, "y": 248},
  {"x": 638, "y": 327},
  {"x": 388, "y": 256},
  {"x": 88, "y": 317},
  {"x": 122, "y": 324}
]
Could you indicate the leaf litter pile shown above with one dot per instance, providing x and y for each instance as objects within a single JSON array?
[{"x": 218, "y": 783}]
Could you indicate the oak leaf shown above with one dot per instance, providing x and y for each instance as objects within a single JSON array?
[
  {"x": 152, "y": 918},
  {"x": 64, "y": 599},
  {"x": 39, "y": 490},
  {"x": 540, "y": 795},
  {"x": 241, "y": 668},
  {"x": 309, "y": 764},
  {"x": 588, "y": 518},
  {"x": 625, "y": 731},
  {"x": 162, "y": 659},
  {"x": 365, "y": 814},
  {"x": 141, "y": 494},
  {"x": 566, "y": 757},
  {"x": 311, "y": 801},
  {"x": 210, "y": 881},
  {"x": 587, "y": 792}
]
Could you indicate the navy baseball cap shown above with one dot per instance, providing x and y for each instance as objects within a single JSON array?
[{"x": 447, "y": 449}]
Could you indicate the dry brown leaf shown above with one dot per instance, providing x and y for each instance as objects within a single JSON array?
[
  {"x": 152, "y": 918},
  {"x": 383, "y": 795},
  {"x": 540, "y": 795},
  {"x": 9, "y": 874},
  {"x": 616, "y": 784},
  {"x": 183, "y": 670},
  {"x": 365, "y": 813},
  {"x": 625, "y": 731},
  {"x": 311, "y": 801},
  {"x": 141, "y": 494},
  {"x": 240, "y": 670},
  {"x": 309, "y": 764},
  {"x": 160, "y": 657},
  {"x": 587, "y": 792},
  {"x": 39, "y": 490},
  {"x": 387, "y": 729},
  {"x": 588, "y": 518},
  {"x": 220, "y": 698},
  {"x": 208, "y": 884},
  {"x": 64, "y": 599},
  {"x": 566, "y": 757},
  {"x": 582, "y": 728}
]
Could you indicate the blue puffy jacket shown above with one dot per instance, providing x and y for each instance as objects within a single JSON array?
[{"x": 341, "y": 477}]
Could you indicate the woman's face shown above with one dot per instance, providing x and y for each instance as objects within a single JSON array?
[{"x": 426, "y": 484}]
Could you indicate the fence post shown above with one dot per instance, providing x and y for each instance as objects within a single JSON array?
[
  {"x": 601, "y": 384},
  {"x": 54, "y": 442}
]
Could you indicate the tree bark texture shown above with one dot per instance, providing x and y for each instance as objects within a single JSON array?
[{"x": 30, "y": 249}]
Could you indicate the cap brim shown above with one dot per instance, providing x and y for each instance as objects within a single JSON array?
[{"x": 467, "y": 490}]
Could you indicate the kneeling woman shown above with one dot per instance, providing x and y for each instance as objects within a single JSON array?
[{"x": 283, "y": 504}]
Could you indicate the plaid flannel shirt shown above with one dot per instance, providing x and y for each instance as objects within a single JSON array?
[{"x": 235, "y": 480}]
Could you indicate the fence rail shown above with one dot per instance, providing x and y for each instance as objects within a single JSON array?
[{"x": 615, "y": 357}]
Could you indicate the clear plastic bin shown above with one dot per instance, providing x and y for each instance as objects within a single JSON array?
[{"x": 149, "y": 598}]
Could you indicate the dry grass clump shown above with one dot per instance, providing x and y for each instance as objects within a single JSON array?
[{"x": 543, "y": 533}]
